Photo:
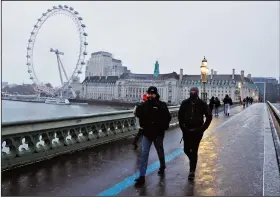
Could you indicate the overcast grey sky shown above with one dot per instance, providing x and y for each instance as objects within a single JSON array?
[{"x": 240, "y": 35}]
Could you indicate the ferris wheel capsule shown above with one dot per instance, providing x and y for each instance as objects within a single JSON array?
[
  {"x": 85, "y": 43},
  {"x": 71, "y": 9},
  {"x": 49, "y": 10},
  {"x": 35, "y": 26},
  {"x": 83, "y": 25},
  {"x": 85, "y": 34},
  {"x": 85, "y": 53},
  {"x": 54, "y": 7},
  {"x": 80, "y": 18},
  {"x": 29, "y": 71},
  {"x": 83, "y": 63},
  {"x": 79, "y": 72},
  {"x": 44, "y": 14},
  {"x": 60, "y": 6},
  {"x": 31, "y": 78},
  {"x": 66, "y": 6},
  {"x": 76, "y": 12},
  {"x": 39, "y": 19},
  {"x": 28, "y": 56}
]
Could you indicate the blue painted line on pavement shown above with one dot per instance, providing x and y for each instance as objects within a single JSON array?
[
  {"x": 116, "y": 189},
  {"x": 129, "y": 181}
]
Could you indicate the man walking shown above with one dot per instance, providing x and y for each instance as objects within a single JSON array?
[
  {"x": 154, "y": 117},
  {"x": 191, "y": 121},
  {"x": 227, "y": 102}
]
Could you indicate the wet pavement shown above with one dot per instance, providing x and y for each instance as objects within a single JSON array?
[{"x": 231, "y": 162}]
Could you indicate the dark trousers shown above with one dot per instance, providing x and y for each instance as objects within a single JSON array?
[
  {"x": 138, "y": 136},
  {"x": 146, "y": 146},
  {"x": 191, "y": 145}
]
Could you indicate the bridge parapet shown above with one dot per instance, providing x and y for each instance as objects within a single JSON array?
[
  {"x": 31, "y": 141},
  {"x": 275, "y": 111}
]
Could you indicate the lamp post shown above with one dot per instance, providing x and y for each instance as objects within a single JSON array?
[{"x": 204, "y": 71}]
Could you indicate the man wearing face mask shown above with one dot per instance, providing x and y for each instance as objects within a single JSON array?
[
  {"x": 191, "y": 121},
  {"x": 155, "y": 118}
]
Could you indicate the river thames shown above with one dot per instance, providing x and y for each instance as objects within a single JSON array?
[{"x": 20, "y": 111}]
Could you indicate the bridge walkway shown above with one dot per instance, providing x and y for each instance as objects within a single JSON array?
[{"x": 236, "y": 157}]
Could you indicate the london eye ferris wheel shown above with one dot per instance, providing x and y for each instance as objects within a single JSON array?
[{"x": 68, "y": 80}]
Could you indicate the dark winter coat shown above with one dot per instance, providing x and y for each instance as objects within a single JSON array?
[
  {"x": 191, "y": 115},
  {"x": 154, "y": 118},
  {"x": 217, "y": 103},
  {"x": 227, "y": 100}
]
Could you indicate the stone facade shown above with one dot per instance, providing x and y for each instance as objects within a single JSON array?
[{"x": 172, "y": 87}]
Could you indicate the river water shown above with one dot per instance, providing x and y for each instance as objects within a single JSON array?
[{"x": 20, "y": 111}]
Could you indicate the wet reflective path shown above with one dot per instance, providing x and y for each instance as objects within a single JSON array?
[{"x": 236, "y": 157}]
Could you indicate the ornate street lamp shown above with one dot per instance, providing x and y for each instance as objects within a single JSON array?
[{"x": 204, "y": 71}]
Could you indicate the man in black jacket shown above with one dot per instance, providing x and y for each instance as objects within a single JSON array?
[
  {"x": 154, "y": 118},
  {"x": 191, "y": 121}
]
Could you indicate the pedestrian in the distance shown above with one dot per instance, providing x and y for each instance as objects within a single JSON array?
[
  {"x": 212, "y": 103},
  {"x": 155, "y": 118},
  {"x": 227, "y": 102},
  {"x": 217, "y": 104},
  {"x": 191, "y": 121},
  {"x": 138, "y": 124}
]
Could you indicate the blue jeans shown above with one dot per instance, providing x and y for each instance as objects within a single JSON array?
[{"x": 146, "y": 146}]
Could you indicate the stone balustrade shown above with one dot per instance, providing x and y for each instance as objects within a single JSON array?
[
  {"x": 31, "y": 141},
  {"x": 275, "y": 111}
]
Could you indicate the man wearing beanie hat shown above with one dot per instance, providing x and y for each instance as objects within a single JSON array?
[
  {"x": 155, "y": 118},
  {"x": 191, "y": 121}
]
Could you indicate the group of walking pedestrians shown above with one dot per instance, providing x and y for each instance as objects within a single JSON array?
[
  {"x": 215, "y": 104},
  {"x": 247, "y": 101},
  {"x": 154, "y": 119}
]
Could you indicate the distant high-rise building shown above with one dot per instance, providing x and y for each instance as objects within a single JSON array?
[
  {"x": 268, "y": 88},
  {"x": 103, "y": 64}
]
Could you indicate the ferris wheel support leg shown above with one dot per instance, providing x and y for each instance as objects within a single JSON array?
[
  {"x": 63, "y": 68},
  {"x": 74, "y": 93},
  {"x": 60, "y": 74}
]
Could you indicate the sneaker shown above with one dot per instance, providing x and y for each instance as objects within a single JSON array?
[
  {"x": 191, "y": 176},
  {"x": 140, "y": 181}
]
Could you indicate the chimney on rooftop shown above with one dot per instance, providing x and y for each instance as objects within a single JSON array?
[
  {"x": 212, "y": 72},
  {"x": 233, "y": 73},
  {"x": 242, "y": 73},
  {"x": 181, "y": 74}
]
